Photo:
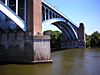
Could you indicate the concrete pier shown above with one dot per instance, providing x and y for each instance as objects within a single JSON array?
[
  {"x": 23, "y": 48},
  {"x": 42, "y": 51}
]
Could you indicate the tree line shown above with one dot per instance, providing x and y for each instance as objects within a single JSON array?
[{"x": 93, "y": 40}]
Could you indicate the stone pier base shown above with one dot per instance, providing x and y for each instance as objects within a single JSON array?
[
  {"x": 23, "y": 47},
  {"x": 16, "y": 47},
  {"x": 42, "y": 52}
]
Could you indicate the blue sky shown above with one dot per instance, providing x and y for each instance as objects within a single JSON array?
[{"x": 86, "y": 11}]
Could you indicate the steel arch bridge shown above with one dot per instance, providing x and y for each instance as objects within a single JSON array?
[
  {"x": 21, "y": 38},
  {"x": 70, "y": 31},
  {"x": 73, "y": 35}
]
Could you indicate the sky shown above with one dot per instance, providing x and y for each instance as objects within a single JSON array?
[{"x": 85, "y": 11}]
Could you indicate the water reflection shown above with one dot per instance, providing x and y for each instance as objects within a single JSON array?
[{"x": 66, "y": 62}]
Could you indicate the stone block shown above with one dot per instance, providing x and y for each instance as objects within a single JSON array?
[
  {"x": 11, "y": 36},
  {"x": 4, "y": 36},
  {"x": 20, "y": 35}
]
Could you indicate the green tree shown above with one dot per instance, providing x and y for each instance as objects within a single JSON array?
[
  {"x": 88, "y": 39},
  {"x": 95, "y": 39},
  {"x": 55, "y": 38}
]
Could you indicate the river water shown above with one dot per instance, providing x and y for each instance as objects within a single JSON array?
[{"x": 65, "y": 62}]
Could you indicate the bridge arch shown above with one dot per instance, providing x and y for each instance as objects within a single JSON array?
[{"x": 64, "y": 26}]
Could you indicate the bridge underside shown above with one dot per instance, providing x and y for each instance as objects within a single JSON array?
[{"x": 70, "y": 36}]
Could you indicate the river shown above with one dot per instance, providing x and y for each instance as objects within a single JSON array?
[{"x": 65, "y": 62}]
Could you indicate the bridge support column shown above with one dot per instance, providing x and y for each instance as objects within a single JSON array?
[
  {"x": 37, "y": 17},
  {"x": 41, "y": 43},
  {"x": 81, "y": 36}
]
